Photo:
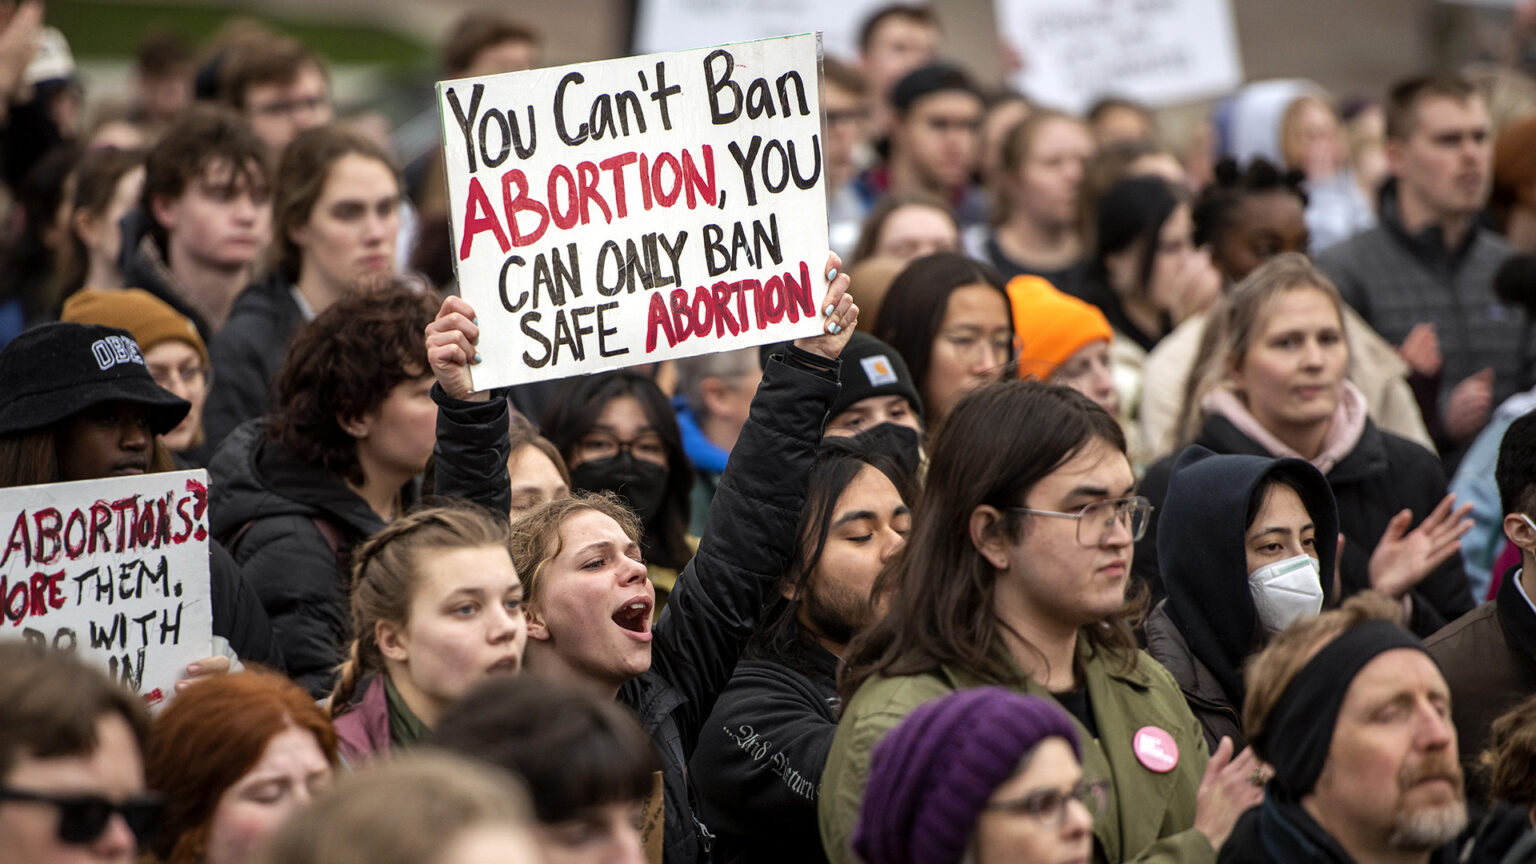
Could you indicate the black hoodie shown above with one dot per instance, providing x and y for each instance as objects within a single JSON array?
[
  {"x": 1203, "y": 560},
  {"x": 273, "y": 512}
]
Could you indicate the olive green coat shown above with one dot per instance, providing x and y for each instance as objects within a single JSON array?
[{"x": 1149, "y": 816}]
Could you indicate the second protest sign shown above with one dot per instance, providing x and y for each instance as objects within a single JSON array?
[{"x": 628, "y": 211}]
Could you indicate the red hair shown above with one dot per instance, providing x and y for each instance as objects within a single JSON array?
[{"x": 208, "y": 738}]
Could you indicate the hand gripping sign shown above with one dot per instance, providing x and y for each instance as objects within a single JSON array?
[
  {"x": 115, "y": 570},
  {"x": 629, "y": 211}
]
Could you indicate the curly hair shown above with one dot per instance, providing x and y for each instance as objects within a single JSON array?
[
  {"x": 1509, "y": 762},
  {"x": 343, "y": 365},
  {"x": 1213, "y": 210}
]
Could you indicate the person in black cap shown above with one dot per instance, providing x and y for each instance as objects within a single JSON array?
[
  {"x": 1226, "y": 516},
  {"x": 935, "y": 142},
  {"x": 86, "y": 391},
  {"x": 877, "y": 388},
  {"x": 1355, "y": 717},
  {"x": 79, "y": 403}
]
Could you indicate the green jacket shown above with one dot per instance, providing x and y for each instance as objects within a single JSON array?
[{"x": 1149, "y": 816}]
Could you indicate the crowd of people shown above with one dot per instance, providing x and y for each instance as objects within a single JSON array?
[{"x": 1132, "y": 504}]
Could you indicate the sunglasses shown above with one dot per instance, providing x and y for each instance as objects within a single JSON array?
[{"x": 83, "y": 818}]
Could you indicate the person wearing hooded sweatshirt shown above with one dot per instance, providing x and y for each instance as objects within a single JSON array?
[
  {"x": 1272, "y": 519},
  {"x": 291, "y": 496},
  {"x": 1275, "y": 386}
]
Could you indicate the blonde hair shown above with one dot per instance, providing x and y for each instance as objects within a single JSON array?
[
  {"x": 1236, "y": 320},
  {"x": 1273, "y": 669},
  {"x": 405, "y": 811},
  {"x": 536, "y": 534},
  {"x": 386, "y": 571}
]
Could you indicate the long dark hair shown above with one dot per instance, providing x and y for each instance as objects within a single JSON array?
[
  {"x": 914, "y": 306},
  {"x": 1132, "y": 211},
  {"x": 999, "y": 441},
  {"x": 780, "y": 638},
  {"x": 573, "y": 412}
]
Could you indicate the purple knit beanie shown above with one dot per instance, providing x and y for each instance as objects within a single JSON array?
[{"x": 930, "y": 776}]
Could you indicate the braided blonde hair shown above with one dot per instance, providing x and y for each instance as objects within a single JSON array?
[{"x": 386, "y": 573}]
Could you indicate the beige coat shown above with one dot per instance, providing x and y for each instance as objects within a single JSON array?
[{"x": 1374, "y": 367}]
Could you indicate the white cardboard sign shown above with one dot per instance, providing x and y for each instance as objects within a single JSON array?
[
  {"x": 115, "y": 570},
  {"x": 1158, "y": 52},
  {"x": 627, "y": 211}
]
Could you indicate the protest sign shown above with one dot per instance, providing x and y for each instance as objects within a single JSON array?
[
  {"x": 115, "y": 570},
  {"x": 1159, "y": 52},
  {"x": 670, "y": 25},
  {"x": 628, "y": 211}
]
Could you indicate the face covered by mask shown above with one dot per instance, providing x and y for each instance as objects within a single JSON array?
[
  {"x": 899, "y": 442},
  {"x": 1286, "y": 591},
  {"x": 642, "y": 484}
]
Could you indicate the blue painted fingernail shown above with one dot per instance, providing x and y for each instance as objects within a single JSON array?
[
  {"x": 829, "y": 310},
  {"x": 475, "y": 321},
  {"x": 834, "y": 329},
  {"x": 477, "y": 358},
  {"x": 831, "y": 274}
]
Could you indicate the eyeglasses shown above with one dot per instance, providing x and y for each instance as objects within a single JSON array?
[
  {"x": 600, "y": 445},
  {"x": 191, "y": 376},
  {"x": 969, "y": 346},
  {"x": 1049, "y": 806},
  {"x": 1097, "y": 520},
  {"x": 82, "y": 818}
]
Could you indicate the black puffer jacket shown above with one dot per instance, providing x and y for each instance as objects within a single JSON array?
[
  {"x": 1382, "y": 475},
  {"x": 238, "y": 616},
  {"x": 274, "y": 512},
  {"x": 757, "y": 767},
  {"x": 248, "y": 353},
  {"x": 720, "y": 595}
]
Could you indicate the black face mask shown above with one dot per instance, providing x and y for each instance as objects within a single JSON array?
[
  {"x": 642, "y": 484},
  {"x": 899, "y": 442}
]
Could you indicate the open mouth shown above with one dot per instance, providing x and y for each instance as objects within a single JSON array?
[
  {"x": 635, "y": 616},
  {"x": 506, "y": 666}
]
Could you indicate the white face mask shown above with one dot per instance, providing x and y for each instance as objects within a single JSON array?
[{"x": 1286, "y": 591}]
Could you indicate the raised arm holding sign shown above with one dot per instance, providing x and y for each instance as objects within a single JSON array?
[{"x": 628, "y": 211}]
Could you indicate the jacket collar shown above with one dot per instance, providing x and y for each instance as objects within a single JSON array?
[
  {"x": 1094, "y": 664},
  {"x": 1516, "y": 618},
  {"x": 1428, "y": 243},
  {"x": 363, "y": 730},
  {"x": 1368, "y": 459}
]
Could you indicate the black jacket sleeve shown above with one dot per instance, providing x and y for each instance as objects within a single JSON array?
[
  {"x": 240, "y": 382},
  {"x": 289, "y": 564},
  {"x": 758, "y": 762},
  {"x": 471, "y": 451},
  {"x": 237, "y": 614},
  {"x": 750, "y": 535}
]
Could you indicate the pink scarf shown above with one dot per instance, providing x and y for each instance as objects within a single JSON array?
[{"x": 1344, "y": 428}]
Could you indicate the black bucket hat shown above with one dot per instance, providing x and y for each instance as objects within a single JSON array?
[{"x": 54, "y": 371}]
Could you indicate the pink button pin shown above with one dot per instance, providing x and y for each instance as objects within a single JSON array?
[{"x": 1155, "y": 749}]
